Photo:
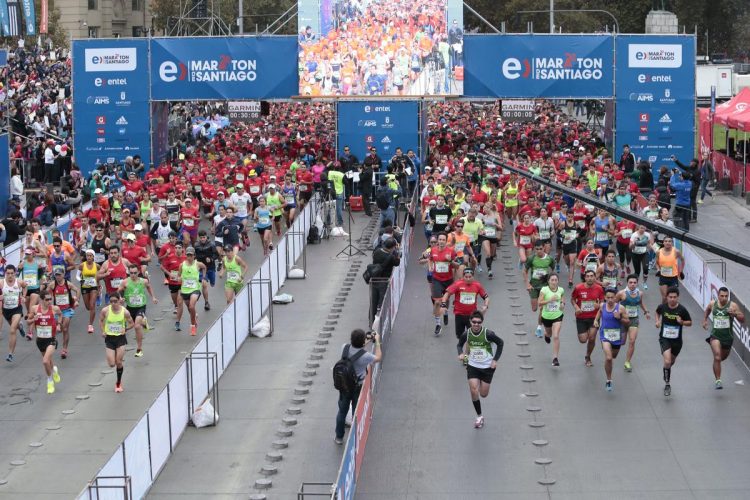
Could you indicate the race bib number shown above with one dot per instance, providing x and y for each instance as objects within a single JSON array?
[
  {"x": 538, "y": 273},
  {"x": 581, "y": 223},
  {"x": 569, "y": 237},
  {"x": 626, "y": 233},
  {"x": 264, "y": 221},
  {"x": 442, "y": 267},
  {"x": 524, "y": 240},
  {"x": 490, "y": 232},
  {"x": 174, "y": 276},
  {"x": 188, "y": 222},
  {"x": 478, "y": 355},
  {"x": 198, "y": 188},
  {"x": 722, "y": 322},
  {"x": 44, "y": 331},
  {"x": 667, "y": 271},
  {"x": 459, "y": 246},
  {"x": 254, "y": 189},
  {"x": 602, "y": 236},
  {"x": 591, "y": 266},
  {"x": 99, "y": 258},
  {"x": 174, "y": 217},
  {"x": 289, "y": 199},
  {"x": 31, "y": 279},
  {"x": 62, "y": 300},
  {"x": 10, "y": 300},
  {"x": 609, "y": 282},
  {"x": 553, "y": 306},
  {"x": 612, "y": 334},
  {"x": 303, "y": 187},
  {"x": 233, "y": 276},
  {"x": 632, "y": 311},
  {"x": 544, "y": 235},
  {"x": 116, "y": 328},
  {"x": 189, "y": 283},
  {"x": 441, "y": 219},
  {"x": 671, "y": 332},
  {"x": 137, "y": 301},
  {"x": 588, "y": 306},
  {"x": 467, "y": 298},
  {"x": 116, "y": 282},
  {"x": 639, "y": 249}
]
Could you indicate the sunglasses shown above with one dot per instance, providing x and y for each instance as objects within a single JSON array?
[
  {"x": 56, "y": 246},
  {"x": 47, "y": 298},
  {"x": 475, "y": 322},
  {"x": 459, "y": 226}
]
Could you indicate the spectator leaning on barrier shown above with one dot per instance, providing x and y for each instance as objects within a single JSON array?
[
  {"x": 693, "y": 174},
  {"x": 387, "y": 256},
  {"x": 682, "y": 188},
  {"x": 360, "y": 359}
]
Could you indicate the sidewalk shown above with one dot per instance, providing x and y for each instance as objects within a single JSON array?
[
  {"x": 259, "y": 392},
  {"x": 722, "y": 219}
]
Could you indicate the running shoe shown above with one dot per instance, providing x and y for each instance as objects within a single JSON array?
[
  {"x": 645, "y": 286},
  {"x": 50, "y": 387},
  {"x": 445, "y": 319},
  {"x": 139, "y": 353},
  {"x": 9, "y": 358},
  {"x": 91, "y": 329},
  {"x": 479, "y": 422},
  {"x": 718, "y": 385},
  {"x": 489, "y": 274},
  {"x": 587, "y": 361},
  {"x": 118, "y": 388},
  {"x": 570, "y": 284},
  {"x": 438, "y": 329},
  {"x": 177, "y": 326},
  {"x": 338, "y": 440},
  {"x": 207, "y": 307},
  {"x": 29, "y": 337},
  {"x": 555, "y": 362},
  {"x": 479, "y": 269},
  {"x": 547, "y": 339},
  {"x": 667, "y": 390},
  {"x": 193, "y": 330},
  {"x": 539, "y": 332},
  {"x": 608, "y": 386},
  {"x": 270, "y": 246},
  {"x": 557, "y": 268},
  {"x": 348, "y": 421},
  {"x": 700, "y": 202},
  {"x": 55, "y": 375},
  {"x": 64, "y": 354},
  {"x": 628, "y": 367}
]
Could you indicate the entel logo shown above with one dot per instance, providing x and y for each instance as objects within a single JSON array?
[
  {"x": 102, "y": 82},
  {"x": 168, "y": 70},
  {"x": 644, "y": 78}
]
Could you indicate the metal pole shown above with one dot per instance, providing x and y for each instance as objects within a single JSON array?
[
  {"x": 479, "y": 16},
  {"x": 551, "y": 16},
  {"x": 240, "y": 19}
]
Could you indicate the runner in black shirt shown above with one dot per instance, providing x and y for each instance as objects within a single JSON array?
[
  {"x": 671, "y": 317},
  {"x": 440, "y": 215}
]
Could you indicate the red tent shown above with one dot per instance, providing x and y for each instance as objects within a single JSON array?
[
  {"x": 736, "y": 105},
  {"x": 740, "y": 121}
]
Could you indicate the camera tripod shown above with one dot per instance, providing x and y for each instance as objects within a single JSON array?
[{"x": 350, "y": 250}]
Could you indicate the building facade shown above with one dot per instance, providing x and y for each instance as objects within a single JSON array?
[{"x": 105, "y": 18}]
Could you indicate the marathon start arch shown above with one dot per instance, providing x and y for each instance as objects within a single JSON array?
[{"x": 120, "y": 86}]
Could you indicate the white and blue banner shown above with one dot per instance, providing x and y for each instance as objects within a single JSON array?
[
  {"x": 110, "y": 101},
  {"x": 656, "y": 98},
  {"x": 29, "y": 16},
  {"x": 386, "y": 125},
  {"x": 543, "y": 66},
  {"x": 223, "y": 68}
]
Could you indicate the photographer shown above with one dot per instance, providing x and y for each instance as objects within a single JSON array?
[
  {"x": 361, "y": 359},
  {"x": 645, "y": 179},
  {"x": 691, "y": 172},
  {"x": 387, "y": 256},
  {"x": 682, "y": 188},
  {"x": 365, "y": 186}
]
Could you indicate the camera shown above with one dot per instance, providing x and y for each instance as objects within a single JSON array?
[{"x": 370, "y": 335}]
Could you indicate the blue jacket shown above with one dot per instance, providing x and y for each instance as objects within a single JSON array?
[{"x": 682, "y": 190}]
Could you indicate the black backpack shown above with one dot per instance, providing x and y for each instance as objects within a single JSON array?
[
  {"x": 313, "y": 236},
  {"x": 382, "y": 200},
  {"x": 372, "y": 271},
  {"x": 345, "y": 377}
]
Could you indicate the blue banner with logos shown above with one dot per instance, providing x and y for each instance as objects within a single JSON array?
[
  {"x": 110, "y": 101},
  {"x": 159, "y": 131},
  {"x": 4, "y": 174},
  {"x": 551, "y": 66},
  {"x": 656, "y": 98},
  {"x": 223, "y": 68},
  {"x": 30, "y": 16},
  {"x": 347, "y": 479},
  {"x": 384, "y": 125}
]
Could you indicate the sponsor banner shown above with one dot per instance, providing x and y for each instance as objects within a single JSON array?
[
  {"x": 43, "y": 17},
  {"x": 243, "y": 111},
  {"x": 363, "y": 417},
  {"x": 705, "y": 131},
  {"x": 347, "y": 479},
  {"x": 517, "y": 110},
  {"x": 29, "y": 16},
  {"x": 552, "y": 66},
  {"x": 4, "y": 174},
  {"x": 223, "y": 68},
  {"x": 3, "y": 57},
  {"x": 110, "y": 101},
  {"x": 728, "y": 167},
  {"x": 4, "y": 18},
  {"x": 159, "y": 131},
  {"x": 694, "y": 271},
  {"x": 655, "y": 91},
  {"x": 386, "y": 125}
]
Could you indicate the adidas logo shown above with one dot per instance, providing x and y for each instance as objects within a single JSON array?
[
  {"x": 665, "y": 119},
  {"x": 121, "y": 121}
]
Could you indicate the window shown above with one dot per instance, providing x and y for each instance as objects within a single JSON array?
[
  {"x": 93, "y": 4},
  {"x": 93, "y": 31},
  {"x": 137, "y": 5}
]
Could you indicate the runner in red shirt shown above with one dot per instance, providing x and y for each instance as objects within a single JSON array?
[
  {"x": 465, "y": 293},
  {"x": 442, "y": 259},
  {"x": 586, "y": 298},
  {"x": 113, "y": 271},
  {"x": 43, "y": 324},
  {"x": 524, "y": 236},
  {"x": 304, "y": 185},
  {"x": 170, "y": 264},
  {"x": 624, "y": 230},
  {"x": 136, "y": 254}
]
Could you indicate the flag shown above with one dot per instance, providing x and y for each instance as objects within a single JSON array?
[
  {"x": 14, "y": 18},
  {"x": 43, "y": 19},
  {"x": 30, "y": 15},
  {"x": 4, "y": 21}
]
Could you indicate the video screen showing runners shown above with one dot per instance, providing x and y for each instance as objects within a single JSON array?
[{"x": 380, "y": 47}]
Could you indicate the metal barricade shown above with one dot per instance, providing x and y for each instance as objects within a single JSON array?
[
  {"x": 97, "y": 490},
  {"x": 212, "y": 381}
]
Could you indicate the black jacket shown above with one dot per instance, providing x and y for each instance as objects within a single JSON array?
[
  {"x": 13, "y": 230},
  {"x": 388, "y": 260}
]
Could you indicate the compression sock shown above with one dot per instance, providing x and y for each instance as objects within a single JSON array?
[
  {"x": 667, "y": 373},
  {"x": 477, "y": 407},
  {"x": 437, "y": 320},
  {"x": 489, "y": 263},
  {"x": 119, "y": 374}
]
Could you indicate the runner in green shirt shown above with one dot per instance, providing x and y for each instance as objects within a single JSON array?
[
  {"x": 190, "y": 287},
  {"x": 275, "y": 203},
  {"x": 234, "y": 268},
  {"x": 541, "y": 265},
  {"x": 723, "y": 312},
  {"x": 133, "y": 289},
  {"x": 552, "y": 304}
]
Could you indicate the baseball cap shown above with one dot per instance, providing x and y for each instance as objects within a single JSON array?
[
  {"x": 130, "y": 237},
  {"x": 272, "y": 186},
  {"x": 90, "y": 251},
  {"x": 240, "y": 186},
  {"x": 59, "y": 271},
  {"x": 137, "y": 227},
  {"x": 98, "y": 191},
  {"x": 28, "y": 251},
  {"x": 190, "y": 250},
  {"x": 253, "y": 156}
]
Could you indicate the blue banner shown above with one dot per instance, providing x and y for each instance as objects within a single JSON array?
[
  {"x": 159, "y": 132},
  {"x": 656, "y": 98},
  {"x": 4, "y": 18},
  {"x": 223, "y": 68},
  {"x": 551, "y": 66},
  {"x": 346, "y": 485},
  {"x": 110, "y": 101},
  {"x": 385, "y": 125},
  {"x": 4, "y": 174},
  {"x": 29, "y": 15}
]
